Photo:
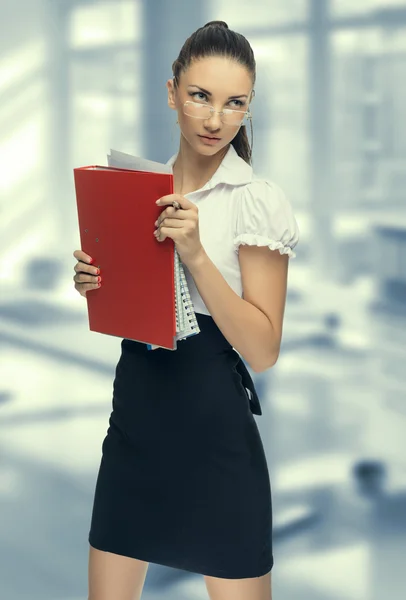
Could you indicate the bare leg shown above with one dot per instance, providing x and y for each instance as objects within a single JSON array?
[
  {"x": 115, "y": 577},
  {"x": 257, "y": 588}
]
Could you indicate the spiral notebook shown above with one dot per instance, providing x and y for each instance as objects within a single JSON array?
[{"x": 186, "y": 321}]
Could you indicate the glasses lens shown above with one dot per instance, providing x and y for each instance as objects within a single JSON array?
[
  {"x": 194, "y": 109},
  {"x": 202, "y": 111},
  {"x": 234, "y": 117}
]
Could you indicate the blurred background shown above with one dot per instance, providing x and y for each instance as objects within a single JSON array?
[{"x": 78, "y": 77}]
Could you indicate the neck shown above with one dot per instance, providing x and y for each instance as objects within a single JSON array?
[{"x": 192, "y": 170}]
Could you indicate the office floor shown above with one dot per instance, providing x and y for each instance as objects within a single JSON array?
[{"x": 55, "y": 398}]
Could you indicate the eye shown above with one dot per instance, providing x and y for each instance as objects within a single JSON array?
[
  {"x": 239, "y": 103},
  {"x": 193, "y": 94}
]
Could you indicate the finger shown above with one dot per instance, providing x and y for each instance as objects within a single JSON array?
[
  {"x": 83, "y": 288},
  {"x": 180, "y": 215},
  {"x": 170, "y": 232},
  {"x": 85, "y": 278},
  {"x": 171, "y": 210},
  {"x": 171, "y": 223},
  {"x": 82, "y": 256},
  {"x": 167, "y": 212},
  {"x": 171, "y": 198},
  {"x": 168, "y": 224},
  {"x": 82, "y": 267}
]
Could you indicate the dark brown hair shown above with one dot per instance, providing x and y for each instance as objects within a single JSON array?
[{"x": 216, "y": 39}]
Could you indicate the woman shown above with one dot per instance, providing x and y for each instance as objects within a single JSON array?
[{"x": 183, "y": 479}]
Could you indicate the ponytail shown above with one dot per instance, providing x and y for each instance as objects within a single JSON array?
[{"x": 242, "y": 145}]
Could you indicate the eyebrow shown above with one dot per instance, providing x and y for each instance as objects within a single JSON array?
[{"x": 209, "y": 93}]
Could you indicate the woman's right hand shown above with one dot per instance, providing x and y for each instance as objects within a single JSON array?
[{"x": 86, "y": 276}]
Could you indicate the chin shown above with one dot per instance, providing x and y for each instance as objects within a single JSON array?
[{"x": 210, "y": 150}]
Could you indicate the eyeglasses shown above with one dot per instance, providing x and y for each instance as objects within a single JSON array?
[{"x": 228, "y": 116}]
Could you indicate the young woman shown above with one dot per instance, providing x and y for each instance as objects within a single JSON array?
[{"x": 183, "y": 479}]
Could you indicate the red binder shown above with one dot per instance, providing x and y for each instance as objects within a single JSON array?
[{"x": 116, "y": 213}]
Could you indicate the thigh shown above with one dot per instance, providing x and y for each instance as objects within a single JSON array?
[
  {"x": 257, "y": 588},
  {"x": 115, "y": 576}
]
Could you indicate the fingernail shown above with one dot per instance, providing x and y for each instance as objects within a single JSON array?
[
  {"x": 99, "y": 279},
  {"x": 156, "y": 223},
  {"x": 90, "y": 260},
  {"x": 158, "y": 201}
]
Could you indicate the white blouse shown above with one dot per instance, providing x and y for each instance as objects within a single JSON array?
[{"x": 236, "y": 207}]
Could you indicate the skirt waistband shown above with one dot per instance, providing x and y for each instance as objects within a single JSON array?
[
  {"x": 207, "y": 344},
  {"x": 209, "y": 340}
]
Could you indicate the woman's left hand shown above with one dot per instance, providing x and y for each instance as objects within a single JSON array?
[{"x": 181, "y": 225}]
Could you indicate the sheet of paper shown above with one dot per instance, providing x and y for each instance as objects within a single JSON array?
[{"x": 122, "y": 160}]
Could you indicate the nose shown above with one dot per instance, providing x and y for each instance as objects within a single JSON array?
[{"x": 213, "y": 122}]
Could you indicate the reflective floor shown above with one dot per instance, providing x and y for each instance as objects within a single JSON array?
[{"x": 322, "y": 412}]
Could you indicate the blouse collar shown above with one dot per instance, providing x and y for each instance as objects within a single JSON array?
[{"x": 233, "y": 170}]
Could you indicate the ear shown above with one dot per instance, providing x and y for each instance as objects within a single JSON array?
[{"x": 171, "y": 94}]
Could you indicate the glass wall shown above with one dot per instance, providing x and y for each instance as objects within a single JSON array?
[
  {"x": 79, "y": 77},
  {"x": 280, "y": 113},
  {"x": 105, "y": 81},
  {"x": 361, "y": 7},
  {"x": 257, "y": 13}
]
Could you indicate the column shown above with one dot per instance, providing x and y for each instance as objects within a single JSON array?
[
  {"x": 320, "y": 108},
  {"x": 166, "y": 27}
]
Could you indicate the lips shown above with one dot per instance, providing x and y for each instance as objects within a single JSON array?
[{"x": 210, "y": 137}]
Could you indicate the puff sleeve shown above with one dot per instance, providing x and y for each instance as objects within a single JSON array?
[{"x": 264, "y": 217}]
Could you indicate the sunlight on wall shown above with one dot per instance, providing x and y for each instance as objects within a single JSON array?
[
  {"x": 282, "y": 106},
  {"x": 23, "y": 144},
  {"x": 97, "y": 106},
  {"x": 101, "y": 121},
  {"x": 31, "y": 93},
  {"x": 106, "y": 23},
  {"x": 21, "y": 153},
  {"x": 19, "y": 64},
  {"x": 105, "y": 100}
]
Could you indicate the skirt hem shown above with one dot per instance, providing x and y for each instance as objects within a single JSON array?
[{"x": 222, "y": 574}]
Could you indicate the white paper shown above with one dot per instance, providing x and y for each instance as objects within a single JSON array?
[{"x": 122, "y": 160}]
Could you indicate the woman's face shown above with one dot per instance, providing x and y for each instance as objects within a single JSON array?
[{"x": 214, "y": 81}]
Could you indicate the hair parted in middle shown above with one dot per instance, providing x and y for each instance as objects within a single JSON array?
[{"x": 216, "y": 39}]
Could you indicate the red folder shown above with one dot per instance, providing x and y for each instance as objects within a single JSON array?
[{"x": 116, "y": 212}]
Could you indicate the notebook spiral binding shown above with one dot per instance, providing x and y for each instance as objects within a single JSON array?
[
  {"x": 186, "y": 321},
  {"x": 179, "y": 313},
  {"x": 187, "y": 324}
]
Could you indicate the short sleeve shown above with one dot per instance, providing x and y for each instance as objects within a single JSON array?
[{"x": 264, "y": 217}]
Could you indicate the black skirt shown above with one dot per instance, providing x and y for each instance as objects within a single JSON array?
[{"x": 183, "y": 479}]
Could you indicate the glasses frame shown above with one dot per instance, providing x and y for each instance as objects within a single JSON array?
[{"x": 227, "y": 111}]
